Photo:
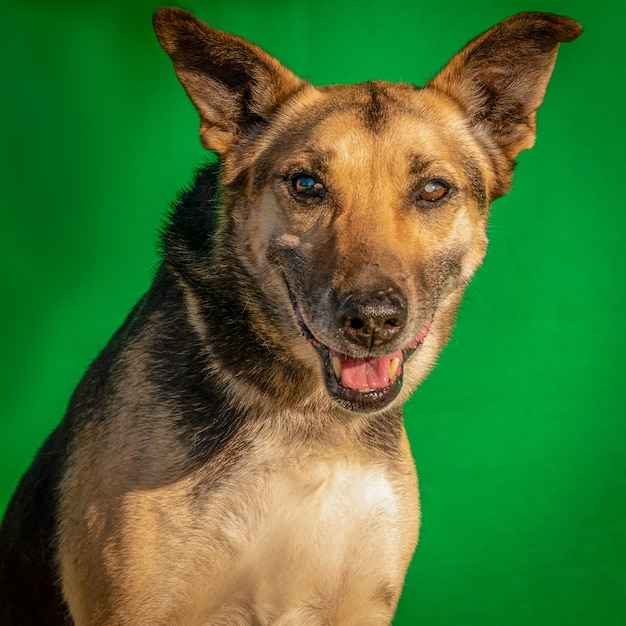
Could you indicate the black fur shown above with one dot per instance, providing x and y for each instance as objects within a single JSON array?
[{"x": 29, "y": 589}]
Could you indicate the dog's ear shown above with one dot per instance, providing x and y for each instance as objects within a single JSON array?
[
  {"x": 233, "y": 83},
  {"x": 500, "y": 77}
]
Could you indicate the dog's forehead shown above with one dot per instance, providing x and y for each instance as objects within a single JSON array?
[{"x": 376, "y": 120}]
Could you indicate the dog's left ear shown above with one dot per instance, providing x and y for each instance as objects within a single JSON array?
[
  {"x": 500, "y": 77},
  {"x": 234, "y": 84}
]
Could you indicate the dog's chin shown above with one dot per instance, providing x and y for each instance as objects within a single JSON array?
[{"x": 362, "y": 385}]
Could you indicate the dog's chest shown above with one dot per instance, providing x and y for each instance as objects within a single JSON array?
[
  {"x": 332, "y": 534},
  {"x": 315, "y": 510}
]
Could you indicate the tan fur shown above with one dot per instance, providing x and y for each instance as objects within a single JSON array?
[
  {"x": 200, "y": 489},
  {"x": 310, "y": 526}
]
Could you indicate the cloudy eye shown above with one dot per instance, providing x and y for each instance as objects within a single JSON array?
[
  {"x": 305, "y": 187},
  {"x": 304, "y": 184},
  {"x": 433, "y": 191}
]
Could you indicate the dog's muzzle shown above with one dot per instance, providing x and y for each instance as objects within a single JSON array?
[{"x": 365, "y": 384}]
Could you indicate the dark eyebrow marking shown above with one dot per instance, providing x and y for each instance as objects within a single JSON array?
[
  {"x": 476, "y": 182},
  {"x": 311, "y": 161},
  {"x": 420, "y": 164}
]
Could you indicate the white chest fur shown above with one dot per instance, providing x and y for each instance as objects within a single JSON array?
[{"x": 325, "y": 541}]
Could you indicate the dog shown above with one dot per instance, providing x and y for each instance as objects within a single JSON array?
[{"x": 236, "y": 454}]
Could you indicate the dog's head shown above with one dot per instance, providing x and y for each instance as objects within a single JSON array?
[{"x": 364, "y": 207}]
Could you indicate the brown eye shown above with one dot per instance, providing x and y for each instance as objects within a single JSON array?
[{"x": 433, "y": 191}]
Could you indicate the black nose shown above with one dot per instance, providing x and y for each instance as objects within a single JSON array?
[{"x": 371, "y": 320}]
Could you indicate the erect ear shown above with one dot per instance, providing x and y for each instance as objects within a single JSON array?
[
  {"x": 500, "y": 77},
  {"x": 233, "y": 83}
]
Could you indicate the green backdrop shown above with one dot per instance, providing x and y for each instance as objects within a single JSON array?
[{"x": 519, "y": 434}]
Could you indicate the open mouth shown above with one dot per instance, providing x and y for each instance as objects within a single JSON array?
[{"x": 362, "y": 385}]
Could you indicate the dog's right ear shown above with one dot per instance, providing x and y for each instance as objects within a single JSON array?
[{"x": 234, "y": 84}]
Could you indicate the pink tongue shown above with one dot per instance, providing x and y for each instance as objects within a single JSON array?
[{"x": 370, "y": 373}]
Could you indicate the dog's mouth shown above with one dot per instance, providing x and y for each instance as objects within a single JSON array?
[{"x": 362, "y": 385}]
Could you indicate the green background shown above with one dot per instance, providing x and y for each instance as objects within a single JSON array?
[{"x": 519, "y": 434}]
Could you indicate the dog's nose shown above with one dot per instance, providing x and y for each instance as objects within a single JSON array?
[{"x": 371, "y": 320}]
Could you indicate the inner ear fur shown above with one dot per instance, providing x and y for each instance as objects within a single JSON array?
[
  {"x": 234, "y": 84},
  {"x": 500, "y": 78}
]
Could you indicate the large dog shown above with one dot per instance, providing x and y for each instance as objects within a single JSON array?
[{"x": 236, "y": 454}]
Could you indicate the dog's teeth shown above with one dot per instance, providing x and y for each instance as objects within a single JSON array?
[
  {"x": 337, "y": 367},
  {"x": 393, "y": 367}
]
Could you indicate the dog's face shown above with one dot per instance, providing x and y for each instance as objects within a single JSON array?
[
  {"x": 373, "y": 212},
  {"x": 365, "y": 206}
]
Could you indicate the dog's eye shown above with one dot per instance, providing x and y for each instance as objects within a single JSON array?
[
  {"x": 433, "y": 191},
  {"x": 304, "y": 184},
  {"x": 305, "y": 187}
]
